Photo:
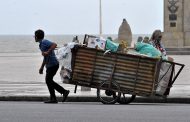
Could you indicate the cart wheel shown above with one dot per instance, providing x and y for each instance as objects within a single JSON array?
[
  {"x": 126, "y": 98},
  {"x": 108, "y": 96}
]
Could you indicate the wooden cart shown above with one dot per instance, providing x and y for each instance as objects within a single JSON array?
[{"x": 114, "y": 74}]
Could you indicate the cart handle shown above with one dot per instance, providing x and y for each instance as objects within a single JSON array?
[{"x": 179, "y": 71}]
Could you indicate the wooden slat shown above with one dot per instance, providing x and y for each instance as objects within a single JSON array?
[
  {"x": 136, "y": 58},
  {"x": 82, "y": 75},
  {"x": 82, "y": 69},
  {"x": 149, "y": 79},
  {"x": 89, "y": 55},
  {"x": 84, "y": 65},
  {"x": 84, "y": 62},
  {"x": 132, "y": 82},
  {"x": 139, "y": 74},
  {"x": 134, "y": 65},
  {"x": 102, "y": 74},
  {"x": 138, "y": 85},
  {"x": 97, "y": 71},
  {"x": 85, "y": 50},
  {"x": 129, "y": 69},
  {"x": 106, "y": 57},
  {"x": 103, "y": 68},
  {"x": 131, "y": 79},
  {"x": 104, "y": 61},
  {"x": 80, "y": 58},
  {"x": 104, "y": 65},
  {"x": 81, "y": 79},
  {"x": 100, "y": 78}
]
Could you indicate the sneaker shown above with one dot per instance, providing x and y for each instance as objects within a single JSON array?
[
  {"x": 51, "y": 101},
  {"x": 65, "y": 95}
]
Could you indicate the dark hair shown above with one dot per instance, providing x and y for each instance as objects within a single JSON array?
[
  {"x": 39, "y": 34},
  {"x": 156, "y": 34}
]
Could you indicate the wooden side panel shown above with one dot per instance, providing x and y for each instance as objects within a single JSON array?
[{"x": 134, "y": 74}]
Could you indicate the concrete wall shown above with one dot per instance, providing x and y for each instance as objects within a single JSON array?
[
  {"x": 173, "y": 39},
  {"x": 186, "y": 22},
  {"x": 186, "y": 16},
  {"x": 178, "y": 36},
  {"x": 179, "y": 21}
]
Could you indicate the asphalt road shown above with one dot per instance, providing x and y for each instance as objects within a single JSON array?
[{"x": 92, "y": 112}]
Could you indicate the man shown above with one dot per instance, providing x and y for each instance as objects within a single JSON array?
[
  {"x": 156, "y": 41},
  {"x": 52, "y": 65}
]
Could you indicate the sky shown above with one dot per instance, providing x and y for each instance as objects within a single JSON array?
[{"x": 79, "y": 16}]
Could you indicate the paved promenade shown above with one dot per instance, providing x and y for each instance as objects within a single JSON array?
[
  {"x": 180, "y": 92},
  {"x": 39, "y": 92}
]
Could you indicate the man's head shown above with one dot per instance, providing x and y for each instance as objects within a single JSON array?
[
  {"x": 157, "y": 35},
  {"x": 39, "y": 35},
  {"x": 140, "y": 39},
  {"x": 146, "y": 39}
]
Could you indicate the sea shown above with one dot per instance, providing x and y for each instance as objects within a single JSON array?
[{"x": 20, "y": 57}]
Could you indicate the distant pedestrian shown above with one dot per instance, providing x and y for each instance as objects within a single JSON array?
[
  {"x": 52, "y": 65},
  {"x": 140, "y": 39},
  {"x": 146, "y": 39}
]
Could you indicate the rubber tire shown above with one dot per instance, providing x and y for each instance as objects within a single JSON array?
[
  {"x": 126, "y": 100},
  {"x": 115, "y": 99}
]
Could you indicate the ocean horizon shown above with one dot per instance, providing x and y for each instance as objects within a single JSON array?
[{"x": 26, "y": 43}]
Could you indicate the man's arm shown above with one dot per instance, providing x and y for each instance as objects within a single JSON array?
[
  {"x": 53, "y": 46},
  {"x": 42, "y": 67}
]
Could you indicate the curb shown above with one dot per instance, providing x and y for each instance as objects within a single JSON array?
[{"x": 94, "y": 99}]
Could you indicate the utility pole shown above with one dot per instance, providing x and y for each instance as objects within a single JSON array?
[{"x": 100, "y": 14}]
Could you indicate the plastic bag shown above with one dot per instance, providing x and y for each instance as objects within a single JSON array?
[
  {"x": 101, "y": 42},
  {"x": 64, "y": 55},
  {"x": 62, "y": 52},
  {"x": 98, "y": 43},
  {"x": 147, "y": 49},
  {"x": 164, "y": 77},
  {"x": 65, "y": 74},
  {"x": 112, "y": 46}
]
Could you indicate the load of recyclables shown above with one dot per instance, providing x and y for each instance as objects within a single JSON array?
[{"x": 115, "y": 69}]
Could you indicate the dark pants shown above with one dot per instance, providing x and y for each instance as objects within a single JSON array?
[{"x": 51, "y": 84}]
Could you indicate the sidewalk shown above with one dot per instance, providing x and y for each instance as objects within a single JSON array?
[{"x": 39, "y": 92}]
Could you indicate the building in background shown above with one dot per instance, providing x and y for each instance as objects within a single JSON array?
[{"x": 176, "y": 23}]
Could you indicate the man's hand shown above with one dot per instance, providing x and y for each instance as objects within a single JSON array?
[
  {"x": 41, "y": 70},
  {"x": 45, "y": 53},
  {"x": 53, "y": 46}
]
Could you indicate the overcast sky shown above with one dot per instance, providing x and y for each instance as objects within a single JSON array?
[{"x": 79, "y": 16}]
